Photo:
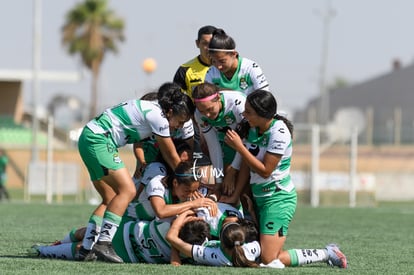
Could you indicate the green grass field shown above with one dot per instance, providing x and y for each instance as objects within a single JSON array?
[{"x": 378, "y": 240}]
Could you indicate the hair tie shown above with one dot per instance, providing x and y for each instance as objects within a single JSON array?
[
  {"x": 221, "y": 50},
  {"x": 207, "y": 98},
  {"x": 236, "y": 243}
]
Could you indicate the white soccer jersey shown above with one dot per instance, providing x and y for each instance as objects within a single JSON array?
[
  {"x": 230, "y": 115},
  {"x": 186, "y": 132},
  {"x": 131, "y": 122},
  {"x": 277, "y": 140},
  {"x": 211, "y": 254},
  {"x": 152, "y": 170},
  {"x": 143, "y": 209},
  {"x": 145, "y": 241},
  {"x": 224, "y": 210},
  {"x": 214, "y": 130},
  {"x": 247, "y": 78}
]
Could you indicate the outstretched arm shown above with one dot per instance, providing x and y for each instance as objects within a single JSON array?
[
  {"x": 172, "y": 234},
  {"x": 168, "y": 151}
]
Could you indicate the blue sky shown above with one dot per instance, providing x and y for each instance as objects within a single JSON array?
[{"x": 283, "y": 36}]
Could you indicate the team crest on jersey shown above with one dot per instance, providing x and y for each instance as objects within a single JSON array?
[
  {"x": 243, "y": 84},
  {"x": 228, "y": 120},
  {"x": 117, "y": 159}
]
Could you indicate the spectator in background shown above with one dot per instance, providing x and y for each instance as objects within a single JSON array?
[{"x": 3, "y": 175}]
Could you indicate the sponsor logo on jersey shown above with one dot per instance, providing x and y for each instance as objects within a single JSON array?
[
  {"x": 157, "y": 189},
  {"x": 228, "y": 120},
  {"x": 196, "y": 80},
  {"x": 269, "y": 225},
  {"x": 254, "y": 149}
]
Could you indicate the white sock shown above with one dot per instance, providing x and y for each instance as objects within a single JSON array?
[
  {"x": 70, "y": 237},
  {"x": 64, "y": 251},
  {"x": 308, "y": 256},
  {"x": 108, "y": 231},
  {"x": 91, "y": 235}
]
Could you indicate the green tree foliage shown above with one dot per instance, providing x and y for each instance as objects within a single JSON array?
[{"x": 91, "y": 30}]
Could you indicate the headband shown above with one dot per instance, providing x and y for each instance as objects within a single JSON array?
[
  {"x": 221, "y": 50},
  {"x": 207, "y": 98},
  {"x": 225, "y": 227}
]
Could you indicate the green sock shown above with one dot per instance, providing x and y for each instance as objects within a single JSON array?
[{"x": 293, "y": 257}]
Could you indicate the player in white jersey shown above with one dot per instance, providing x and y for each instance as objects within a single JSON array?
[
  {"x": 134, "y": 242},
  {"x": 126, "y": 123},
  {"x": 266, "y": 156},
  {"x": 216, "y": 112},
  {"x": 166, "y": 196},
  {"x": 231, "y": 71},
  {"x": 148, "y": 150},
  {"x": 151, "y": 166}
]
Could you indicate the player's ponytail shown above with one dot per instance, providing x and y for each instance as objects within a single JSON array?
[{"x": 232, "y": 237}]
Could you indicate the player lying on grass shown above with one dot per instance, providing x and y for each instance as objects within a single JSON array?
[{"x": 134, "y": 242}]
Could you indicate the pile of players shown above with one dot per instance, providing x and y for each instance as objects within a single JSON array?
[{"x": 212, "y": 184}]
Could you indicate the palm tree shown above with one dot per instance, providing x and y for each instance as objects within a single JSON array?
[{"x": 91, "y": 30}]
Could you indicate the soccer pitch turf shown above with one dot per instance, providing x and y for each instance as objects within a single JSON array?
[{"x": 376, "y": 240}]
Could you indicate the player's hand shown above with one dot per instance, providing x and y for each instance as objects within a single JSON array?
[{"x": 233, "y": 140}]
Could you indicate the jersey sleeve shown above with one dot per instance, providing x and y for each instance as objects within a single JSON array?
[
  {"x": 209, "y": 75},
  {"x": 155, "y": 188},
  {"x": 280, "y": 138},
  {"x": 158, "y": 123},
  {"x": 239, "y": 103},
  {"x": 258, "y": 78},
  {"x": 187, "y": 131},
  {"x": 152, "y": 170},
  {"x": 211, "y": 256},
  {"x": 179, "y": 77},
  {"x": 252, "y": 250}
]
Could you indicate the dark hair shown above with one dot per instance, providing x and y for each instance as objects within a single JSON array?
[
  {"x": 180, "y": 147},
  {"x": 242, "y": 128},
  {"x": 151, "y": 96},
  {"x": 233, "y": 236},
  {"x": 183, "y": 173},
  {"x": 250, "y": 230},
  {"x": 265, "y": 105},
  {"x": 205, "y": 30},
  {"x": 222, "y": 41},
  {"x": 205, "y": 89},
  {"x": 195, "y": 232},
  {"x": 170, "y": 97}
]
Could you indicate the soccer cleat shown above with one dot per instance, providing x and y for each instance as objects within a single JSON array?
[
  {"x": 335, "y": 256},
  {"x": 106, "y": 252},
  {"x": 85, "y": 255},
  {"x": 34, "y": 251}
]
